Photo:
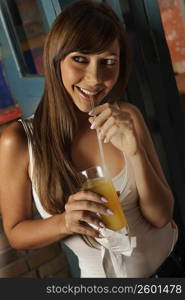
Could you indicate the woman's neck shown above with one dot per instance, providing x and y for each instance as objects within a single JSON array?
[{"x": 83, "y": 118}]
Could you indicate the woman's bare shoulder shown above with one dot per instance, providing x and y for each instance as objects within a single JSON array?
[
  {"x": 131, "y": 108},
  {"x": 13, "y": 139}
]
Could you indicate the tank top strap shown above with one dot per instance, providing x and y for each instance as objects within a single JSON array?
[
  {"x": 28, "y": 128},
  {"x": 125, "y": 179}
]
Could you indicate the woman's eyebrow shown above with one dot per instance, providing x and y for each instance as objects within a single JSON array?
[
  {"x": 86, "y": 53},
  {"x": 112, "y": 54}
]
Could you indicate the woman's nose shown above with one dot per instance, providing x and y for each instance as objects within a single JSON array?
[{"x": 93, "y": 74}]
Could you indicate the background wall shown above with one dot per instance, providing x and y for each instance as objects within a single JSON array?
[
  {"x": 173, "y": 19},
  {"x": 38, "y": 263}
]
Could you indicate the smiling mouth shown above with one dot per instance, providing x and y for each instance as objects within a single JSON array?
[{"x": 88, "y": 93}]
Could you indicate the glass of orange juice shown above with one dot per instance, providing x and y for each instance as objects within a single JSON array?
[{"x": 94, "y": 180}]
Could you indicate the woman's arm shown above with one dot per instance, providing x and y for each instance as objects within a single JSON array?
[
  {"x": 16, "y": 200},
  {"x": 125, "y": 128},
  {"x": 155, "y": 196},
  {"x": 16, "y": 196}
]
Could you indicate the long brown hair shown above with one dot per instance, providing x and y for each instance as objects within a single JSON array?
[{"x": 85, "y": 26}]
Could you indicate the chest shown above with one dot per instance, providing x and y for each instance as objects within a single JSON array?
[{"x": 85, "y": 153}]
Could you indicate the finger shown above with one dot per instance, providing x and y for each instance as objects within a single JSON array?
[
  {"x": 101, "y": 118},
  {"x": 98, "y": 109},
  {"x": 106, "y": 126},
  {"x": 111, "y": 132},
  {"x": 87, "y": 195},
  {"x": 76, "y": 218},
  {"x": 84, "y": 205},
  {"x": 92, "y": 218},
  {"x": 86, "y": 229},
  {"x": 91, "y": 119}
]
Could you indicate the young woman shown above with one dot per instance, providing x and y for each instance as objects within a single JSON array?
[{"x": 86, "y": 55}]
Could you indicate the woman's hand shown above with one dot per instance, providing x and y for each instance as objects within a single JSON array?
[
  {"x": 83, "y": 208},
  {"x": 116, "y": 126}
]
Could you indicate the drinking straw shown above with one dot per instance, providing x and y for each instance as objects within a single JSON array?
[{"x": 102, "y": 156}]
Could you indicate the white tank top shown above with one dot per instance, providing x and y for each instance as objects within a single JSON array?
[{"x": 153, "y": 245}]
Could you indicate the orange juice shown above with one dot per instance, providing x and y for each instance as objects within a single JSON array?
[{"x": 105, "y": 188}]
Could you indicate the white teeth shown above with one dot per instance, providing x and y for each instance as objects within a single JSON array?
[{"x": 87, "y": 92}]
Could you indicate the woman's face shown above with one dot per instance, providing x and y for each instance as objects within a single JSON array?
[{"x": 90, "y": 76}]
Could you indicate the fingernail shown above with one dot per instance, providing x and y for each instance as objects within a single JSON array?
[
  {"x": 104, "y": 199},
  {"x": 100, "y": 235},
  {"x": 90, "y": 113},
  {"x": 110, "y": 212},
  {"x": 93, "y": 125},
  {"x": 101, "y": 225}
]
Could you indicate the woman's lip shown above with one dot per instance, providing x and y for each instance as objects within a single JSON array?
[
  {"x": 91, "y": 91},
  {"x": 87, "y": 96}
]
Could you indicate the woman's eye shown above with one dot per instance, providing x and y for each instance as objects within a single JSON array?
[
  {"x": 109, "y": 61},
  {"x": 79, "y": 59}
]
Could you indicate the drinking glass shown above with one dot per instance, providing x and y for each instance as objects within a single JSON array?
[{"x": 94, "y": 180}]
